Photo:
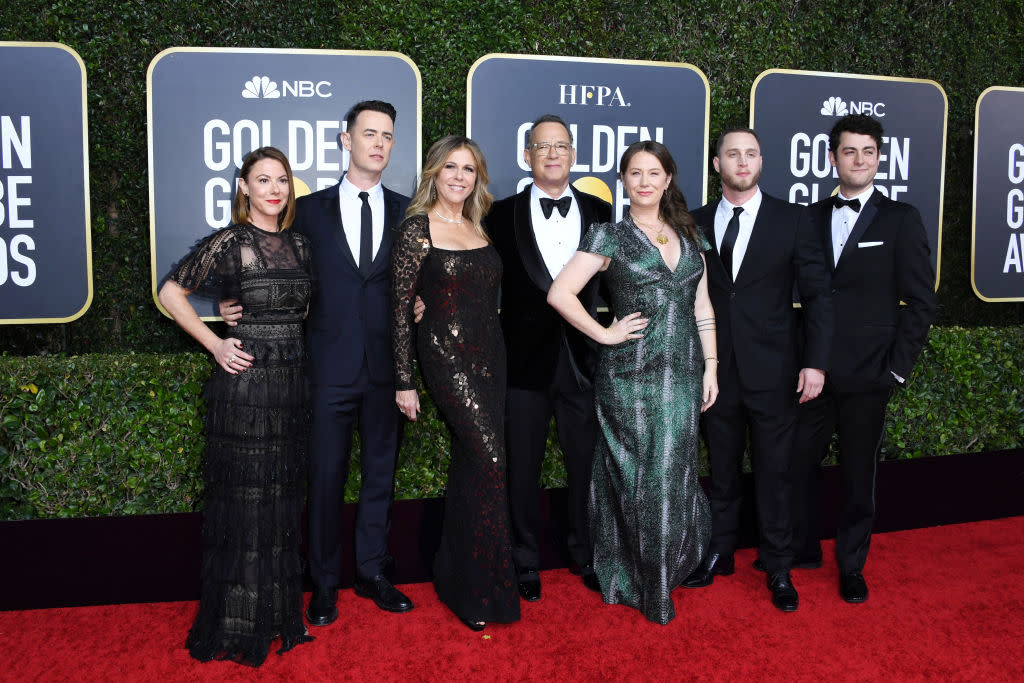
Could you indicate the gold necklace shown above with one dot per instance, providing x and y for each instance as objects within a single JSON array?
[
  {"x": 661, "y": 237},
  {"x": 446, "y": 219}
]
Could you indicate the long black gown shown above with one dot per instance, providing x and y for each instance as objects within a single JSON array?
[
  {"x": 255, "y": 462},
  {"x": 462, "y": 359}
]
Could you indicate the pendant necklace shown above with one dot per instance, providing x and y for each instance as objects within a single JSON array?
[{"x": 661, "y": 237}]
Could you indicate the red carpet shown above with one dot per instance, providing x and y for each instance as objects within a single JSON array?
[{"x": 946, "y": 603}]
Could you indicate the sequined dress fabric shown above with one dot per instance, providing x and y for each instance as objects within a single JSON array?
[
  {"x": 649, "y": 518},
  {"x": 255, "y": 463},
  {"x": 461, "y": 355}
]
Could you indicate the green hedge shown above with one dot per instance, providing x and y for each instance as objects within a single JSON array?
[
  {"x": 965, "y": 46},
  {"x": 122, "y": 434}
]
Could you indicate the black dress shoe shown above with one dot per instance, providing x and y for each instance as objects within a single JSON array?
[
  {"x": 715, "y": 564},
  {"x": 783, "y": 593},
  {"x": 808, "y": 562},
  {"x": 852, "y": 587},
  {"x": 386, "y": 596},
  {"x": 590, "y": 579},
  {"x": 322, "y": 609},
  {"x": 529, "y": 585},
  {"x": 474, "y": 625}
]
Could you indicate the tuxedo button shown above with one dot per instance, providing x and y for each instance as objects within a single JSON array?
[
  {"x": 732, "y": 295},
  {"x": 835, "y": 291}
]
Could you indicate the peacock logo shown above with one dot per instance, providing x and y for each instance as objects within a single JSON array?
[
  {"x": 834, "y": 106},
  {"x": 261, "y": 87}
]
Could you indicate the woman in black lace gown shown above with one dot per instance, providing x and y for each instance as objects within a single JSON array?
[
  {"x": 254, "y": 466},
  {"x": 443, "y": 255}
]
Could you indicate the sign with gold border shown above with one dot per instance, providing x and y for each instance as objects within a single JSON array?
[
  {"x": 209, "y": 107},
  {"x": 45, "y": 238},
  {"x": 608, "y": 104},
  {"x": 997, "y": 225},
  {"x": 793, "y": 112}
]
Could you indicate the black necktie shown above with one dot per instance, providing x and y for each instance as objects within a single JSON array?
[
  {"x": 365, "y": 235},
  {"x": 729, "y": 239},
  {"x": 546, "y": 205},
  {"x": 838, "y": 202}
]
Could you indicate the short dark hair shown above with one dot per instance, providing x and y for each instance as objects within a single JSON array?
[
  {"x": 547, "y": 118},
  {"x": 860, "y": 124},
  {"x": 734, "y": 129},
  {"x": 369, "y": 105}
]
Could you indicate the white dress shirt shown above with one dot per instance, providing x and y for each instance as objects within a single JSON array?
[
  {"x": 557, "y": 237},
  {"x": 352, "y": 215},
  {"x": 722, "y": 217},
  {"x": 843, "y": 219}
]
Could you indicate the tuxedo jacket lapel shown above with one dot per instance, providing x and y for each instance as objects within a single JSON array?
[
  {"x": 526, "y": 242},
  {"x": 864, "y": 219},
  {"x": 332, "y": 213},
  {"x": 760, "y": 241},
  {"x": 715, "y": 261},
  {"x": 391, "y": 220}
]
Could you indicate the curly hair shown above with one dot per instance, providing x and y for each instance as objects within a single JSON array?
[{"x": 477, "y": 204}]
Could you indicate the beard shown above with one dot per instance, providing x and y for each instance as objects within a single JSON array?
[{"x": 741, "y": 184}]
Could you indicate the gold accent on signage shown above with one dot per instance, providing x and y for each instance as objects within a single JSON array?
[
  {"x": 599, "y": 60},
  {"x": 254, "y": 50},
  {"x": 897, "y": 79},
  {"x": 974, "y": 193}
]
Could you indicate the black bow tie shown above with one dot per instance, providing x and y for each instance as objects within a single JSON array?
[
  {"x": 838, "y": 202},
  {"x": 546, "y": 205}
]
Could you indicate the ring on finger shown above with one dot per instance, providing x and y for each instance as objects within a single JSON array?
[{"x": 233, "y": 358}]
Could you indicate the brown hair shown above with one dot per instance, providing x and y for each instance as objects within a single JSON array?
[
  {"x": 240, "y": 207},
  {"x": 673, "y": 204},
  {"x": 478, "y": 203}
]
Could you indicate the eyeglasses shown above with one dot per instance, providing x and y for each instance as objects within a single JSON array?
[{"x": 561, "y": 148}]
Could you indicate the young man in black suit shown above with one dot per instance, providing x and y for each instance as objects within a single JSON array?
[
  {"x": 550, "y": 364},
  {"x": 879, "y": 256},
  {"x": 761, "y": 246},
  {"x": 348, "y": 337}
]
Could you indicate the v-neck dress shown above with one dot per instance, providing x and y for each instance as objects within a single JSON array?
[{"x": 649, "y": 518}]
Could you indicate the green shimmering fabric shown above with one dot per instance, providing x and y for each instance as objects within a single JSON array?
[{"x": 649, "y": 518}]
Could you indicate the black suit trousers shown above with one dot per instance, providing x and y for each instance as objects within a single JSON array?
[
  {"x": 336, "y": 410},
  {"x": 527, "y": 420},
  {"x": 770, "y": 418},
  {"x": 859, "y": 417}
]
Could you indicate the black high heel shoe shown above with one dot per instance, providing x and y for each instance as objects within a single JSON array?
[{"x": 474, "y": 625}]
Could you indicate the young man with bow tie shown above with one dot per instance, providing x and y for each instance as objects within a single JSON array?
[{"x": 879, "y": 256}]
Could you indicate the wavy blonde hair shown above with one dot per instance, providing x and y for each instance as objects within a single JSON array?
[{"x": 478, "y": 203}]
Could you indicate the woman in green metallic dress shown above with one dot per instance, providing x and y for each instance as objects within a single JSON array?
[{"x": 649, "y": 517}]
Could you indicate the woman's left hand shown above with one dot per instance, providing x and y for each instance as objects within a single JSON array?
[
  {"x": 709, "y": 392},
  {"x": 408, "y": 402}
]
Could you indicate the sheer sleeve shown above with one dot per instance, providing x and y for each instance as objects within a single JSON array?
[
  {"x": 305, "y": 257},
  {"x": 212, "y": 268},
  {"x": 600, "y": 239},
  {"x": 411, "y": 248}
]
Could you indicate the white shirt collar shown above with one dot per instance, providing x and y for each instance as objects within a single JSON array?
[
  {"x": 538, "y": 194},
  {"x": 751, "y": 206},
  {"x": 352, "y": 192}
]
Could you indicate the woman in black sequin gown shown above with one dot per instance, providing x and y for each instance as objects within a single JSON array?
[
  {"x": 254, "y": 466},
  {"x": 443, "y": 255}
]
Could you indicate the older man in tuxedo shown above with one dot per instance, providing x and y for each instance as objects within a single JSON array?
[
  {"x": 879, "y": 256},
  {"x": 550, "y": 364},
  {"x": 761, "y": 247}
]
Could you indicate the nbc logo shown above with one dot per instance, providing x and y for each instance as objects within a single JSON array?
[
  {"x": 261, "y": 87},
  {"x": 833, "y": 106}
]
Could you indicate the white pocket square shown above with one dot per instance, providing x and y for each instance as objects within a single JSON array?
[{"x": 861, "y": 245}]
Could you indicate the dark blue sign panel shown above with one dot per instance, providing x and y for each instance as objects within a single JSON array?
[
  {"x": 45, "y": 248},
  {"x": 793, "y": 111},
  {"x": 997, "y": 236},
  {"x": 608, "y": 104},
  {"x": 210, "y": 107}
]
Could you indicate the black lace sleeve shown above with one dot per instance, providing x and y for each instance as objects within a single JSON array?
[
  {"x": 212, "y": 268},
  {"x": 305, "y": 257},
  {"x": 411, "y": 247}
]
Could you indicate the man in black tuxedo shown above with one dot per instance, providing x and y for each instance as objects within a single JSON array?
[
  {"x": 550, "y": 364},
  {"x": 879, "y": 256},
  {"x": 761, "y": 246},
  {"x": 348, "y": 338}
]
